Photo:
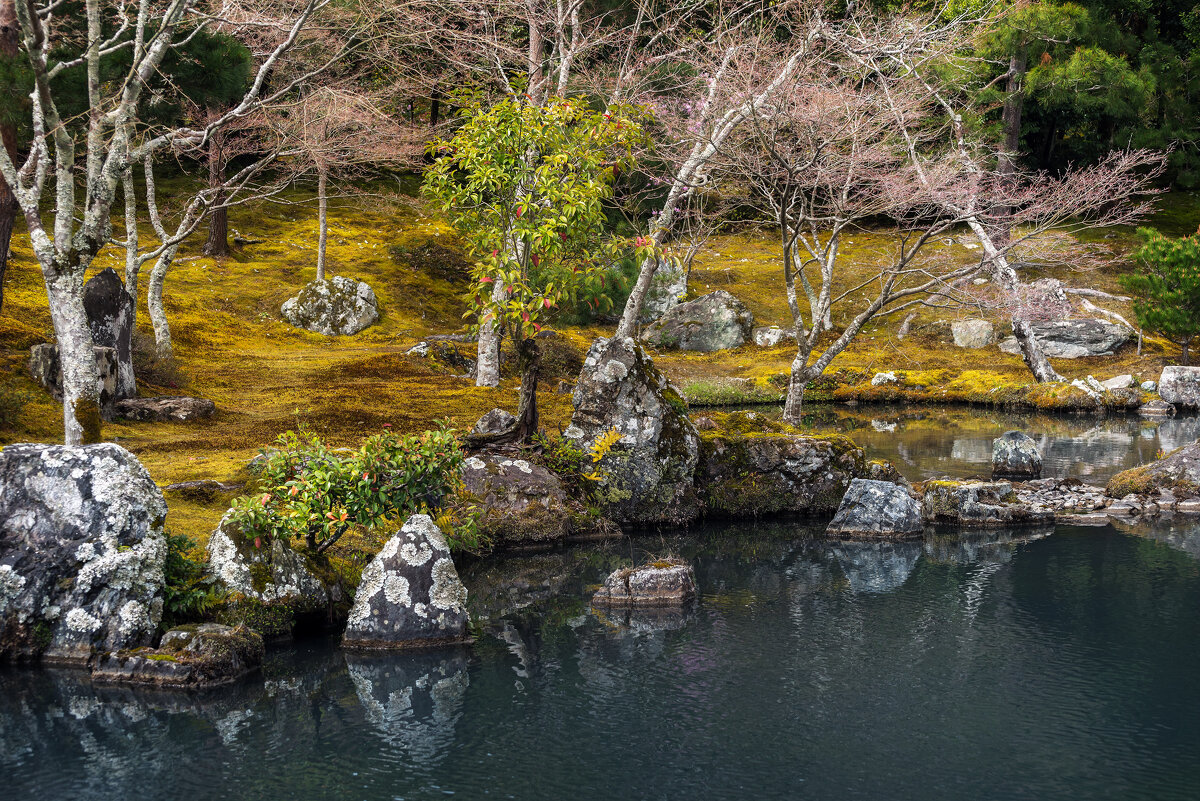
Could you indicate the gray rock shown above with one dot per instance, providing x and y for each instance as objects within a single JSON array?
[
  {"x": 110, "y": 313},
  {"x": 1180, "y": 385},
  {"x": 497, "y": 421},
  {"x": 714, "y": 322},
  {"x": 880, "y": 379},
  {"x": 973, "y": 333},
  {"x": 206, "y": 655},
  {"x": 1016, "y": 455},
  {"x": 519, "y": 503},
  {"x": 1149, "y": 386},
  {"x": 410, "y": 594},
  {"x": 667, "y": 287},
  {"x": 1124, "y": 381},
  {"x": 647, "y": 475},
  {"x": 1074, "y": 339},
  {"x": 164, "y": 409},
  {"x": 877, "y": 510},
  {"x": 1156, "y": 408},
  {"x": 336, "y": 307},
  {"x": 1178, "y": 472},
  {"x": 81, "y": 551},
  {"x": 46, "y": 369},
  {"x": 980, "y": 504},
  {"x": 270, "y": 573},
  {"x": 770, "y": 336},
  {"x": 669, "y": 582}
]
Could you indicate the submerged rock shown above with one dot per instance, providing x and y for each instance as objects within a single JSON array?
[
  {"x": 1074, "y": 339},
  {"x": 410, "y": 595},
  {"x": 195, "y": 656},
  {"x": 1180, "y": 385},
  {"x": 81, "y": 551},
  {"x": 1016, "y": 455},
  {"x": 714, "y": 322},
  {"x": 167, "y": 408},
  {"x": 338, "y": 306},
  {"x": 668, "y": 582},
  {"x": 627, "y": 409},
  {"x": 877, "y": 510},
  {"x": 980, "y": 504},
  {"x": 973, "y": 333},
  {"x": 1179, "y": 472},
  {"x": 110, "y": 314}
]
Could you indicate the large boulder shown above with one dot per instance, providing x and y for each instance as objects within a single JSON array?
[
  {"x": 1074, "y": 339},
  {"x": 46, "y": 369},
  {"x": 206, "y": 655},
  {"x": 667, "y": 582},
  {"x": 973, "y": 333},
  {"x": 1016, "y": 455},
  {"x": 110, "y": 315},
  {"x": 1180, "y": 385},
  {"x": 336, "y": 307},
  {"x": 877, "y": 510},
  {"x": 410, "y": 595},
  {"x": 81, "y": 552},
  {"x": 164, "y": 409},
  {"x": 980, "y": 504},
  {"x": 714, "y": 322},
  {"x": 1178, "y": 472},
  {"x": 638, "y": 424},
  {"x": 519, "y": 503}
]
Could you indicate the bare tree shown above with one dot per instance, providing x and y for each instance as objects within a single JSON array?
[{"x": 9, "y": 51}]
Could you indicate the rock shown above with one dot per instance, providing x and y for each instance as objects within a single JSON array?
[
  {"x": 770, "y": 336},
  {"x": 1016, "y": 455},
  {"x": 1156, "y": 408},
  {"x": 206, "y": 655},
  {"x": 646, "y": 474},
  {"x": 667, "y": 287},
  {"x": 667, "y": 582},
  {"x": 880, "y": 379},
  {"x": 877, "y": 510},
  {"x": 47, "y": 371},
  {"x": 497, "y": 421},
  {"x": 1180, "y": 385},
  {"x": 1178, "y": 472},
  {"x": 165, "y": 409},
  {"x": 339, "y": 306},
  {"x": 110, "y": 314},
  {"x": 520, "y": 503},
  {"x": 1149, "y": 386},
  {"x": 81, "y": 551},
  {"x": 973, "y": 333},
  {"x": 202, "y": 490},
  {"x": 1124, "y": 398},
  {"x": 419, "y": 349},
  {"x": 410, "y": 594},
  {"x": 1124, "y": 381},
  {"x": 979, "y": 504},
  {"x": 1073, "y": 339},
  {"x": 714, "y": 322}
]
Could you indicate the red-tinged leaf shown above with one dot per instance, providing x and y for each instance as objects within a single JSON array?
[
  {"x": 487, "y": 280},
  {"x": 546, "y": 302}
]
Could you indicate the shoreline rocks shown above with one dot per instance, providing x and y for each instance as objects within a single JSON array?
[
  {"x": 204, "y": 655},
  {"x": 979, "y": 504}
]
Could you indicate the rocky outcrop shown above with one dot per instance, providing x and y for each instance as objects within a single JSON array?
[
  {"x": 520, "y": 503},
  {"x": 110, "y": 315},
  {"x": 165, "y": 409},
  {"x": 714, "y": 322},
  {"x": 1074, "y": 339},
  {"x": 1178, "y": 472},
  {"x": 1016, "y": 455},
  {"x": 877, "y": 510},
  {"x": 81, "y": 552},
  {"x": 410, "y": 595},
  {"x": 667, "y": 582},
  {"x": 336, "y": 307},
  {"x": 206, "y": 655},
  {"x": 46, "y": 369},
  {"x": 1180, "y": 385},
  {"x": 979, "y": 504},
  {"x": 497, "y": 421},
  {"x": 973, "y": 333},
  {"x": 647, "y": 469},
  {"x": 770, "y": 336}
]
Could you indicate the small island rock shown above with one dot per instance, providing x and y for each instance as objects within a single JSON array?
[
  {"x": 1016, "y": 455},
  {"x": 668, "y": 582},
  {"x": 877, "y": 510}
]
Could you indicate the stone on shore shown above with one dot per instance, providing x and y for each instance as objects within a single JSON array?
[
  {"x": 1124, "y": 381},
  {"x": 973, "y": 333},
  {"x": 716, "y": 321},
  {"x": 335, "y": 307},
  {"x": 410, "y": 595},
  {"x": 1178, "y": 472},
  {"x": 1074, "y": 339},
  {"x": 1157, "y": 408},
  {"x": 667, "y": 582},
  {"x": 110, "y": 313},
  {"x": 81, "y": 552},
  {"x": 206, "y": 655},
  {"x": 877, "y": 510},
  {"x": 165, "y": 409},
  {"x": 1180, "y": 385},
  {"x": 1016, "y": 455},
  {"x": 980, "y": 504}
]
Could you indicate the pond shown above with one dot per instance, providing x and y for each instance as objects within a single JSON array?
[{"x": 1058, "y": 664}]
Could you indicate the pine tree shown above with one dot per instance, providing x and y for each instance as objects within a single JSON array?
[{"x": 1168, "y": 287}]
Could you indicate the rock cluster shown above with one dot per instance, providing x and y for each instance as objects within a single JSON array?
[
  {"x": 335, "y": 307},
  {"x": 206, "y": 655},
  {"x": 877, "y": 510},
  {"x": 714, "y": 322},
  {"x": 668, "y": 582},
  {"x": 979, "y": 504}
]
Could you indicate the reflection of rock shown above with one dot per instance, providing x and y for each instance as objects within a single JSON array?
[
  {"x": 412, "y": 700},
  {"x": 875, "y": 566},
  {"x": 971, "y": 449},
  {"x": 497, "y": 586},
  {"x": 1178, "y": 432},
  {"x": 992, "y": 545},
  {"x": 647, "y": 620}
]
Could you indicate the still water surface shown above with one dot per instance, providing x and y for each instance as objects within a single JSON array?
[{"x": 1039, "y": 665}]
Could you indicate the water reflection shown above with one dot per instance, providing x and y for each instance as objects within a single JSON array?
[
  {"x": 875, "y": 566},
  {"x": 412, "y": 701}
]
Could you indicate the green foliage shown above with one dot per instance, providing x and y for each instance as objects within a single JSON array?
[
  {"x": 188, "y": 590},
  {"x": 314, "y": 493},
  {"x": 525, "y": 186},
  {"x": 1168, "y": 286}
]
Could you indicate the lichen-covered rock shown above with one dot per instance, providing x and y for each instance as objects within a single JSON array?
[
  {"x": 666, "y": 288},
  {"x": 194, "y": 656},
  {"x": 110, "y": 315},
  {"x": 877, "y": 510},
  {"x": 1178, "y": 472},
  {"x": 410, "y": 595},
  {"x": 1156, "y": 407},
  {"x": 520, "y": 503},
  {"x": 769, "y": 336},
  {"x": 81, "y": 551},
  {"x": 497, "y": 421},
  {"x": 165, "y": 409},
  {"x": 714, "y": 322},
  {"x": 980, "y": 504},
  {"x": 46, "y": 369},
  {"x": 1074, "y": 339},
  {"x": 973, "y": 333},
  {"x": 668, "y": 582},
  {"x": 335, "y": 307},
  {"x": 1180, "y": 385},
  {"x": 647, "y": 473},
  {"x": 1016, "y": 455}
]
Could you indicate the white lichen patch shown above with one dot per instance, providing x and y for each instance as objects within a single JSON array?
[
  {"x": 11, "y": 585},
  {"x": 395, "y": 590},
  {"x": 80, "y": 621},
  {"x": 447, "y": 591},
  {"x": 414, "y": 556}
]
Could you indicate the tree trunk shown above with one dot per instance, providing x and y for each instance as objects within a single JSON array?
[
  {"x": 322, "y": 222},
  {"x": 1186, "y": 361},
  {"x": 81, "y": 397},
  {"x": 435, "y": 107},
  {"x": 154, "y": 302},
  {"x": 1032, "y": 352},
  {"x": 1010, "y": 121},
  {"x": 637, "y": 299},
  {"x": 529, "y": 359},
  {"x": 217, "y": 243},
  {"x": 487, "y": 352},
  {"x": 793, "y": 406},
  {"x": 9, "y": 48}
]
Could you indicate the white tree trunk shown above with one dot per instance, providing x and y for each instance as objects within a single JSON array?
[
  {"x": 154, "y": 302},
  {"x": 81, "y": 397},
  {"x": 322, "y": 222},
  {"x": 487, "y": 353},
  {"x": 132, "y": 264}
]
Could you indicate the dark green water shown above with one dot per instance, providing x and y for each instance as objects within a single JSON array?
[{"x": 1052, "y": 666}]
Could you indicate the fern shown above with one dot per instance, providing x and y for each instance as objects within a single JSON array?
[{"x": 599, "y": 449}]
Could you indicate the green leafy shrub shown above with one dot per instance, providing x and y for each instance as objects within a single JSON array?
[
  {"x": 188, "y": 591},
  {"x": 316, "y": 494}
]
